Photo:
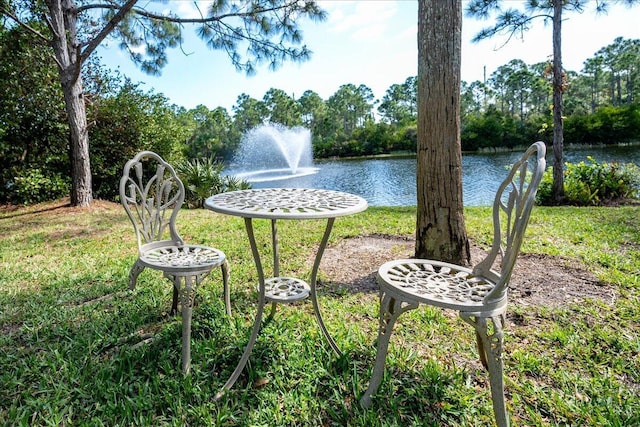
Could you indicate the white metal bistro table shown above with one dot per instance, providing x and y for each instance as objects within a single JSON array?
[{"x": 285, "y": 204}]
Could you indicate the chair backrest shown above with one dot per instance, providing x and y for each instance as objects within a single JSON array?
[
  {"x": 152, "y": 195},
  {"x": 511, "y": 210}
]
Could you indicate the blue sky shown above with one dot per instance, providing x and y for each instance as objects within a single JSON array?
[{"x": 371, "y": 42}]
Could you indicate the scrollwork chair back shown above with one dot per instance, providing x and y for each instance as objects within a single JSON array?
[{"x": 152, "y": 195}]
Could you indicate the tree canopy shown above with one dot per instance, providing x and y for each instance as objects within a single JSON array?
[
  {"x": 249, "y": 32},
  {"x": 510, "y": 109}
]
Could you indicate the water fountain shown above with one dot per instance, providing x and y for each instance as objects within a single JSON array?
[{"x": 271, "y": 152}]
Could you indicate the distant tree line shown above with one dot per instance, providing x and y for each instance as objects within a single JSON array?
[{"x": 511, "y": 108}]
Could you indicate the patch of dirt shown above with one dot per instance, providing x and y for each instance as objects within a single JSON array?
[{"x": 538, "y": 280}]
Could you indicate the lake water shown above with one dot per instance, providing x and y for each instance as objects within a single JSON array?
[{"x": 392, "y": 182}]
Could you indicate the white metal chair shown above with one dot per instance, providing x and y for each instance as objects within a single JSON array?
[
  {"x": 478, "y": 294},
  {"x": 152, "y": 195}
]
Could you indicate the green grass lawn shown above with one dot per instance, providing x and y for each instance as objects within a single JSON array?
[{"x": 79, "y": 348}]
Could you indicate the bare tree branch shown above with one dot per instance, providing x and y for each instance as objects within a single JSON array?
[
  {"x": 107, "y": 29},
  {"x": 177, "y": 20},
  {"x": 50, "y": 25},
  {"x": 504, "y": 23},
  {"x": 46, "y": 41},
  {"x": 37, "y": 33}
]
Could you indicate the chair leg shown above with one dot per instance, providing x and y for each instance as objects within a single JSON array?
[
  {"x": 390, "y": 309},
  {"x": 481, "y": 351},
  {"x": 187, "y": 295},
  {"x": 490, "y": 342},
  {"x": 176, "y": 292},
  {"x": 135, "y": 271},
  {"x": 174, "y": 300},
  {"x": 225, "y": 283}
]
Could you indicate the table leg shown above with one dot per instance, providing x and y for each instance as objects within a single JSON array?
[
  {"x": 257, "y": 324},
  {"x": 276, "y": 261},
  {"x": 276, "y": 248},
  {"x": 314, "y": 276}
]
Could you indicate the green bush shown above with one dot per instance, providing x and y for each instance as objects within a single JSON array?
[
  {"x": 608, "y": 125},
  {"x": 593, "y": 183},
  {"x": 203, "y": 178},
  {"x": 495, "y": 129},
  {"x": 33, "y": 186},
  {"x": 544, "y": 196}
]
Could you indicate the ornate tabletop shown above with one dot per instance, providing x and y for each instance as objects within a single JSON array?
[{"x": 286, "y": 203}]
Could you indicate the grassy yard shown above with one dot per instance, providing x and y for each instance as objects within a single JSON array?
[{"x": 79, "y": 348}]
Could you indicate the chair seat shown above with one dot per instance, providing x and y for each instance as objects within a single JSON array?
[
  {"x": 436, "y": 283},
  {"x": 184, "y": 258}
]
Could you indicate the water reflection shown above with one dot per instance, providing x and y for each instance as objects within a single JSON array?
[{"x": 392, "y": 182}]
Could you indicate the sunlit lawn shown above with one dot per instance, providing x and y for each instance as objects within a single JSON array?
[{"x": 79, "y": 348}]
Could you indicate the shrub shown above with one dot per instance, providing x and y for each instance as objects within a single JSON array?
[
  {"x": 203, "y": 178},
  {"x": 593, "y": 183},
  {"x": 33, "y": 186},
  {"x": 544, "y": 196}
]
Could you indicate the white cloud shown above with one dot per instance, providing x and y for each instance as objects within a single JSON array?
[
  {"x": 362, "y": 20},
  {"x": 370, "y": 32},
  {"x": 335, "y": 15},
  {"x": 189, "y": 9},
  {"x": 409, "y": 33},
  {"x": 142, "y": 48}
]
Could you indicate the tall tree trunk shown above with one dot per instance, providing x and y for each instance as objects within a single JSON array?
[
  {"x": 81, "y": 191},
  {"x": 594, "y": 88},
  {"x": 619, "y": 88},
  {"x": 440, "y": 230},
  {"x": 67, "y": 56},
  {"x": 558, "y": 86}
]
